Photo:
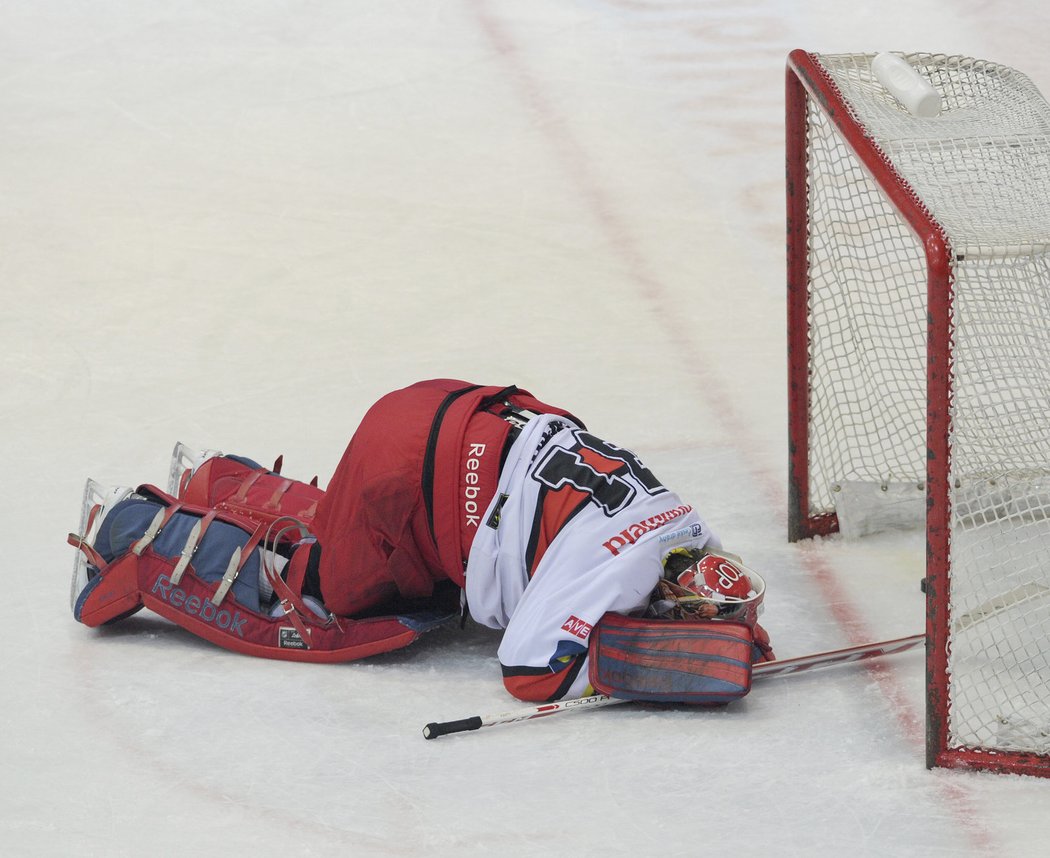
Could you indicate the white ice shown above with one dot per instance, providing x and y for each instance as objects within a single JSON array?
[{"x": 237, "y": 224}]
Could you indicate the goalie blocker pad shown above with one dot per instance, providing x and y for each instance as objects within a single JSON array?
[
  {"x": 671, "y": 661},
  {"x": 149, "y": 570}
]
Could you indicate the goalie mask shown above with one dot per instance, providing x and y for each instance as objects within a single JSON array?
[{"x": 701, "y": 585}]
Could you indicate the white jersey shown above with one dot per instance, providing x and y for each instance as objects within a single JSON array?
[{"x": 578, "y": 527}]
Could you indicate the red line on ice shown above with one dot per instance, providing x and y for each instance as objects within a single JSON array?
[{"x": 575, "y": 163}]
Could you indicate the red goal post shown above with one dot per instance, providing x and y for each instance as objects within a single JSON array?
[{"x": 891, "y": 376}]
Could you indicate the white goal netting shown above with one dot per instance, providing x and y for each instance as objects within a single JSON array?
[{"x": 982, "y": 169}]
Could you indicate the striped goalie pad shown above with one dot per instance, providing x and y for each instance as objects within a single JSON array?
[{"x": 670, "y": 661}]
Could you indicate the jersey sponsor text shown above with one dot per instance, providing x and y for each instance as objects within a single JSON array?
[
  {"x": 575, "y": 626},
  {"x": 630, "y": 535}
]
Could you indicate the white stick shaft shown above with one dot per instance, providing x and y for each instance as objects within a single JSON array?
[{"x": 576, "y": 704}]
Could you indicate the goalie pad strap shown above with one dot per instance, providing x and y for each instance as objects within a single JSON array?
[
  {"x": 241, "y": 495},
  {"x": 670, "y": 661},
  {"x": 159, "y": 520},
  {"x": 252, "y": 493},
  {"x": 190, "y": 548}
]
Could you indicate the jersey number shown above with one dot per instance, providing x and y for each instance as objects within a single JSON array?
[{"x": 611, "y": 487}]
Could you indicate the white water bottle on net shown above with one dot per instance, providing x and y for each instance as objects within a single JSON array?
[{"x": 919, "y": 331}]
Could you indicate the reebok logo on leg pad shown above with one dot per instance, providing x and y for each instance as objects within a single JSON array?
[{"x": 198, "y": 607}]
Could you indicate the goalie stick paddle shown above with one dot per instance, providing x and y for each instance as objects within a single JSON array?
[{"x": 766, "y": 668}]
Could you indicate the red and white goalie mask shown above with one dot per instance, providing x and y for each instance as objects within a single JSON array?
[{"x": 711, "y": 586}]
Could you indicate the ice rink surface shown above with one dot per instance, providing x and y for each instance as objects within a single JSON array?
[{"x": 237, "y": 224}]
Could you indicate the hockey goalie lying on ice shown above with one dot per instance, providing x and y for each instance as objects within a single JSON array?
[{"x": 450, "y": 496}]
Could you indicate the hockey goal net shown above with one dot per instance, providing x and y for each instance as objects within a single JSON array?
[{"x": 919, "y": 362}]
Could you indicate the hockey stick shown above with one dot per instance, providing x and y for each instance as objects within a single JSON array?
[
  {"x": 984, "y": 611},
  {"x": 766, "y": 668}
]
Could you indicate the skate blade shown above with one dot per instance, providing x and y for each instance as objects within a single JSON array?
[
  {"x": 97, "y": 501},
  {"x": 184, "y": 461}
]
